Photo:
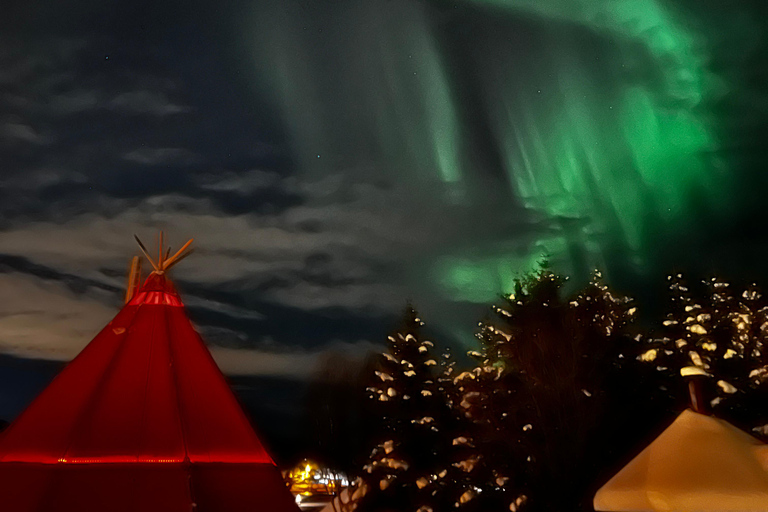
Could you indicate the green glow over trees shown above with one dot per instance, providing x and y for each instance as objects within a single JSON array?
[{"x": 593, "y": 121}]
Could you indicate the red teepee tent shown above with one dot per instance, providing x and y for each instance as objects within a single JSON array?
[{"x": 141, "y": 420}]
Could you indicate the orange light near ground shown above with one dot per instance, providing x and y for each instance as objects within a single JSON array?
[{"x": 308, "y": 479}]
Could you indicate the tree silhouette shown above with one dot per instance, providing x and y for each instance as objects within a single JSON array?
[
  {"x": 405, "y": 470},
  {"x": 723, "y": 332},
  {"x": 539, "y": 391}
]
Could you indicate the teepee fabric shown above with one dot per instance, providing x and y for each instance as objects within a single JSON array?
[
  {"x": 141, "y": 420},
  {"x": 698, "y": 464}
]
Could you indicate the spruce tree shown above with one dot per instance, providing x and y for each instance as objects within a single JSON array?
[
  {"x": 723, "y": 333},
  {"x": 538, "y": 393},
  {"x": 489, "y": 463},
  {"x": 405, "y": 469}
]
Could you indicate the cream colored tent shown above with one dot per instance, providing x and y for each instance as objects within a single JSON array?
[{"x": 698, "y": 464}]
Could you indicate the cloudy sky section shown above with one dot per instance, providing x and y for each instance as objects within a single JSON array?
[
  {"x": 296, "y": 144},
  {"x": 101, "y": 138},
  {"x": 113, "y": 123}
]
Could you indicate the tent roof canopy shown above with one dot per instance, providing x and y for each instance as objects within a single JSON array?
[
  {"x": 698, "y": 464},
  {"x": 146, "y": 389}
]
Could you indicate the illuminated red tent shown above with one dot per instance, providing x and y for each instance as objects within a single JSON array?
[{"x": 141, "y": 420}]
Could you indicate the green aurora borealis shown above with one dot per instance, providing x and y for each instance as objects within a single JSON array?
[{"x": 597, "y": 125}]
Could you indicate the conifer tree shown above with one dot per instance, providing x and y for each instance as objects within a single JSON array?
[
  {"x": 488, "y": 461},
  {"x": 723, "y": 333},
  {"x": 538, "y": 391},
  {"x": 405, "y": 470}
]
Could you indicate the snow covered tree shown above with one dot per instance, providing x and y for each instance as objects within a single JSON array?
[
  {"x": 537, "y": 395},
  {"x": 406, "y": 468},
  {"x": 488, "y": 467},
  {"x": 722, "y": 332}
]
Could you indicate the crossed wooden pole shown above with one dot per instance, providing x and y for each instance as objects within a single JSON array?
[{"x": 162, "y": 264}]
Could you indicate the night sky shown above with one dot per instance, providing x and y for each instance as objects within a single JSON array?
[{"x": 334, "y": 159}]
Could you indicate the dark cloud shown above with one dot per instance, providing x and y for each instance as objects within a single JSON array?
[
  {"x": 77, "y": 284},
  {"x": 15, "y": 132},
  {"x": 146, "y": 102},
  {"x": 162, "y": 157}
]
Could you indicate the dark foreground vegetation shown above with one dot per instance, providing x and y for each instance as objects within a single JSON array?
[{"x": 560, "y": 390}]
